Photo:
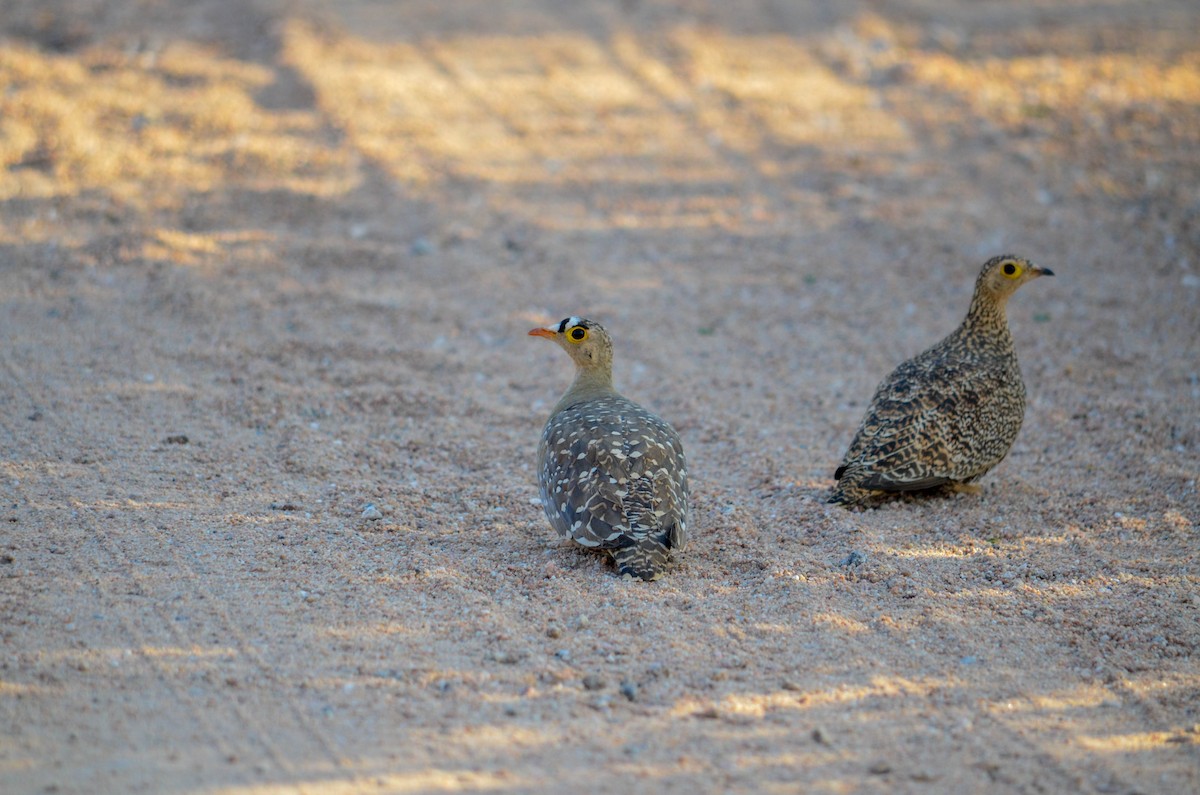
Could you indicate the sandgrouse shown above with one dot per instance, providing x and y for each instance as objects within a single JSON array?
[
  {"x": 612, "y": 474},
  {"x": 942, "y": 419}
]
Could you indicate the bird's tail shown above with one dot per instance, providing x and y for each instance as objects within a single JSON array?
[
  {"x": 646, "y": 558},
  {"x": 851, "y": 496}
]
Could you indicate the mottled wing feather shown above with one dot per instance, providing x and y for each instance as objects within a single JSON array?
[
  {"x": 922, "y": 428},
  {"x": 613, "y": 473},
  {"x": 878, "y": 482}
]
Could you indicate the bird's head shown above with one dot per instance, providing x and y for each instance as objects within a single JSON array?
[
  {"x": 585, "y": 341},
  {"x": 1001, "y": 276}
]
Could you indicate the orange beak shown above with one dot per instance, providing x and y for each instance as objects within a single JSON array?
[{"x": 542, "y": 332}]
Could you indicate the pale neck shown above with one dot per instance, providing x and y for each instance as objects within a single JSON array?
[{"x": 589, "y": 382}]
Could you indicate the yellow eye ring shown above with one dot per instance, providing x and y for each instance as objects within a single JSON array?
[
  {"x": 1011, "y": 270},
  {"x": 577, "y": 334}
]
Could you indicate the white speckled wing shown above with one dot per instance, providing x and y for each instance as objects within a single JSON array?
[{"x": 613, "y": 474}]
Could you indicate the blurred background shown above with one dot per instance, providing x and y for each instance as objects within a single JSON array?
[{"x": 266, "y": 264}]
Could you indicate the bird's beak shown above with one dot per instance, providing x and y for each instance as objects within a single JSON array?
[
  {"x": 548, "y": 333},
  {"x": 1043, "y": 271}
]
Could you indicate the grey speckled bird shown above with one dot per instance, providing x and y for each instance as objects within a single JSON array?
[
  {"x": 945, "y": 417},
  {"x": 612, "y": 474}
]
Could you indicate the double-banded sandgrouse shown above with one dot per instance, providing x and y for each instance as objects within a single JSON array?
[
  {"x": 612, "y": 474},
  {"x": 942, "y": 419}
]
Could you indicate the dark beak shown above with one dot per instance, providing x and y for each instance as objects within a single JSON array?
[{"x": 1044, "y": 271}]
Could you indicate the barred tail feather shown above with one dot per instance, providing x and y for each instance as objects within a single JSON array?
[
  {"x": 644, "y": 559},
  {"x": 852, "y": 496}
]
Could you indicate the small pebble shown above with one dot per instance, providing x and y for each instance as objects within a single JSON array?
[
  {"x": 879, "y": 769},
  {"x": 371, "y": 512},
  {"x": 593, "y": 682},
  {"x": 629, "y": 690},
  {"x": 853, "y": 559}
]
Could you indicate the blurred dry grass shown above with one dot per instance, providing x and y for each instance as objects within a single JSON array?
[
  {"x": 151, "y": 127},
  {"x": 691, "y": 108}
]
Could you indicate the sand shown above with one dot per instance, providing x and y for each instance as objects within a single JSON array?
[{"x": 268, "y": 267}]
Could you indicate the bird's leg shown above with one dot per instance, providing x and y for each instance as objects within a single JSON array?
[{"x": 966, "y": 488}]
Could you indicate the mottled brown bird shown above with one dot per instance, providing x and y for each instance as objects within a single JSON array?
[
  {"x": 612, "y": 474},
  {"x": 942, "y": 419}
]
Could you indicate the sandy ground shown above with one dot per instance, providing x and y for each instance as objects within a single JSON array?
[{"x": 265, "y": 264}]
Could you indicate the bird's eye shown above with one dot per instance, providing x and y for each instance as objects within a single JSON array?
[
  {"x": 1011, "y": 269},
  {"x": 577, "y": 334}
]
